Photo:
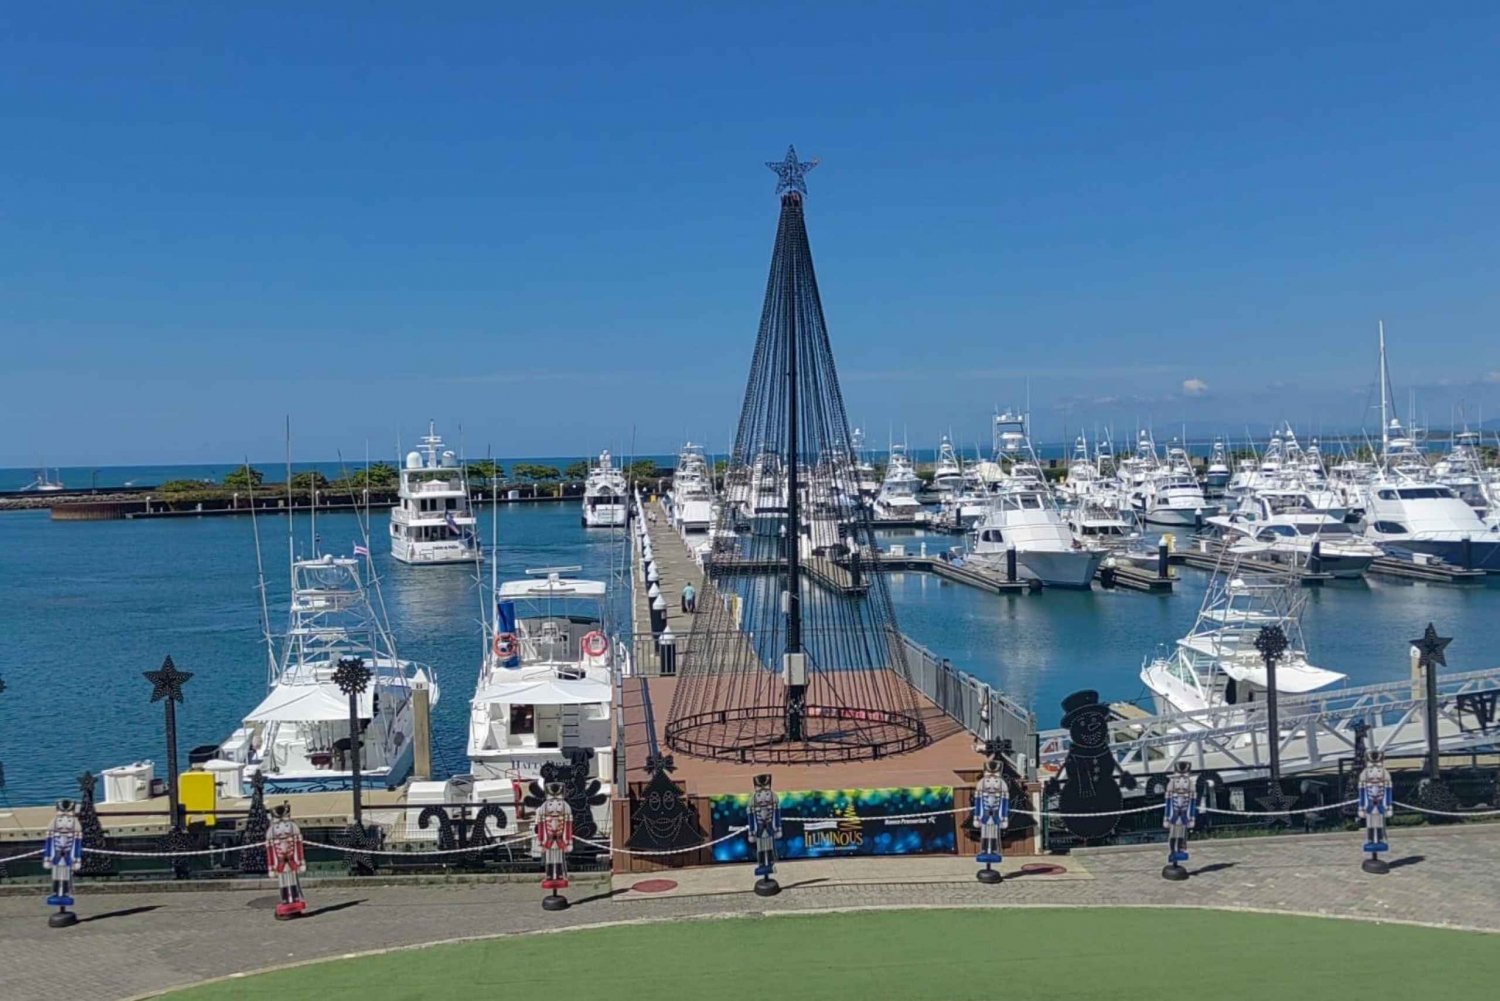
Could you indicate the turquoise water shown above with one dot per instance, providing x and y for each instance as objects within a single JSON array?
[{"x": 85, "y": 607}]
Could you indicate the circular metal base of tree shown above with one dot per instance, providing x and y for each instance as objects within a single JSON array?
[
  {"x": 62, "y": 919},
  {"x": 767, "y": 887},
  {"x": 554, "y": 902},
  {"x": 1174, "y": 872},
  {"x": 758, "y": 735},
  {"x": 988, "y": 876},
  {"x": 1376, "y": 866}
]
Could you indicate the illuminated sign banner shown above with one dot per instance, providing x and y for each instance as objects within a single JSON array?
[{"x": 850, "y": 822}]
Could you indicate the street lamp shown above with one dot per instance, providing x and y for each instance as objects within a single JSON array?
[
  {"x": 1272, "y": 645},
  {"x": 352, "y": 676},
  {"x": 1430, "y": 654}
]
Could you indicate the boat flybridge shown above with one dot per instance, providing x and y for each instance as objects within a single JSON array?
[
  {"x": 1217, "y": 665},
  {"x": 298, "y": 737},
  {"x": 432, "y": 521},
  {"x": 692, "y": 496},
  {"x": 604, "y": 494},
  {"x": 546, "y": 680}
]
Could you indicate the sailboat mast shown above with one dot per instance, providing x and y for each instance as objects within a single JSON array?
[
  {"x": 260, "y": 579},
  {"x": 291, "y": 542},
  {"x": 1385, "y": 401}
]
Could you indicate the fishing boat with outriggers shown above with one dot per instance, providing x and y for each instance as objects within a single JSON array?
[{"x": 298, "y": 738}]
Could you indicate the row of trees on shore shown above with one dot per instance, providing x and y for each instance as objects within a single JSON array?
[{"x": 382, "y": 476}]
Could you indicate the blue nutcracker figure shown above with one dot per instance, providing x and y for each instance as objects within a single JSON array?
[
  {"x": 991, "y": 813},
  {"x": 62, "y": 854},
  {"x": 764, "y": 816},
  {"x": 1375, "y": 804},
  {"x": 1179, "y": 814}
]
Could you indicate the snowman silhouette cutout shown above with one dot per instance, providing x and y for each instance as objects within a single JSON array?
[{"x": 1088, "y": 782}]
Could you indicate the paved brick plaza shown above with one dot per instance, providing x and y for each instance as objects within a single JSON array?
[{"x": 134, "y": 943}]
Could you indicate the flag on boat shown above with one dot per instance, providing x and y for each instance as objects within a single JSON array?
[
  {"x": 505, "y": 634},
  {"x": 361, "y": 550},
  {"x": 453, "y": 524}
]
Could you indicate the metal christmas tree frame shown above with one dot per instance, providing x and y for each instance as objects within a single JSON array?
[{"x": 794, "y": 655}]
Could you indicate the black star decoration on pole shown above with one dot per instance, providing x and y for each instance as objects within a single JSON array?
[
  {"x": 1271, "y": 643},
  {"x": 351, "y": 675},
  {"x": 791, "y": 171},
  {"x": 1430, "y": 647},
  {"x": 167, "y": 683}
]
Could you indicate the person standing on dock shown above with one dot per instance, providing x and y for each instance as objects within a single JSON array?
[{"x": 689, "y": 598}]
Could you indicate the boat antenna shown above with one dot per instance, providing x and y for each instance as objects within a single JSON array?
[
  {"x": 494, "y": 609},
  {"x": 260, "y": 584},
  {"x": 1385, "y": 401},
  {"x": 291, "y": 542}
]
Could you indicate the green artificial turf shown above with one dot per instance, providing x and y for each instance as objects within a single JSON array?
[{"x": 1097, "y": 954}]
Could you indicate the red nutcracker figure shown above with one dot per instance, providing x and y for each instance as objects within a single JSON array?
[
  {"x": 553, "y": 829},
  {"x": 285, "y": 858}
]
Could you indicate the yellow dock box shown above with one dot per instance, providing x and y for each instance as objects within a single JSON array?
[{"x": 200, "y": 797}]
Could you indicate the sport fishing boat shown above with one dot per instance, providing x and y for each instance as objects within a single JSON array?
[
  {"x": 1170, "y": 494},
  {"x": 44, "y": 484},
  {"x": 546, "y": 681},
  {"x": 1023, "y": 515},
  {"x": 1294, "y": 531},
  {"x": 298, "y": 738},
  {"x": 1217, "y": 664},
  {"x": 432, "y": 521},
  {"x": 1216, "y": 473},
  {"x": 948, "y": 473},
  {"x": 692, "y": 494},
  {"x": 897, "y": 500},
  {"x": 604, "y": 494}
]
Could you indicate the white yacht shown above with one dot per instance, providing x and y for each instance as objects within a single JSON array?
[
  {"x": 1216, "y": 664},
  {"x": 44, "y": 484},
  {"x": 1023, "y": 515},
  {"x": 1291, "y": 527},
  {"x": 432, "y": 521},
  {"x": 298, "y": 736},
  {"x": 604, "y": 494},
  {"x": 692, "y": 495},
  {"x": 546, "y": 681},
  {"x": 1216, "y": 473},
  {"x": 897, "y": 500},
  {"x": 1462, "y": 471},
  {"x": 948, "y": 473},
  {"x": 1170, "y": 494},
  {"x": 864, "y": 471}
]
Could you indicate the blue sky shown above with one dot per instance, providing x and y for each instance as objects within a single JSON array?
[{"x": 553, "y": 225}]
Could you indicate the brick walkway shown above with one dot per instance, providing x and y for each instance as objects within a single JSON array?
[{"x": 134, "y": 943}]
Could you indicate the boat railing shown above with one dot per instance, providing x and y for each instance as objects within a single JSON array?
[{"x": 1315, "y": 729}]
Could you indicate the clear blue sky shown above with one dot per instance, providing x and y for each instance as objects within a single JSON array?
[{"x": 552, "y": 223}]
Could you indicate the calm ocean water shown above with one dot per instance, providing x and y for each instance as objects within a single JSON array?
[{"x": 85, "y": 607}]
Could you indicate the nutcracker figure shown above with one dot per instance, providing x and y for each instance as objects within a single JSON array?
[
  {"x": 991, "y": 812},
  {"x": 1375, "y": 803},
  {"x": 1179, "y": 814},
  {"x": 285, "y": 858},
  {"x": 62, "y": 854},
  {"x": 764, "y": 815},
  {"x": 553, "y": 829}
]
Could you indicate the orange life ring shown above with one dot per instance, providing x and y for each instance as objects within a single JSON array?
[
  {"x": 504, "y": 646},
  {"x": 594, "y": 644}
]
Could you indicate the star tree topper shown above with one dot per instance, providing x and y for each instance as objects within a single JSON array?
[
  {"x": 791, "y": 171},
  {"x": 1430, "y": 647},
  {"x": 167, "y": 683},
  {"x": 351, "y": 675}
]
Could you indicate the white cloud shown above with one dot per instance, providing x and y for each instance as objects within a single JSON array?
[
  {"x": 1194, "y": 387},
  {"x": 1492, "y": 376}
]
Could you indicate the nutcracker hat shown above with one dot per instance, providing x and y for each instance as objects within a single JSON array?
[
  {"x": 554, "y": 789},
  {"x": 1183, "y": 767},
  {"x": 763, "y": 781},
  {"x": 992, "y": 765},
  {"x": 1374, "y": 757},
  {"x": 281, "y": 810},
  {"x": 65, "y": 806}
]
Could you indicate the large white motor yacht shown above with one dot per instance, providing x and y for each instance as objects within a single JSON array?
[
  {"x": 298, "y": 737},
  {"x": 432, "y": 521},
  {"x": 692, "y": 496},
  {"x": 545, "y": 684},
  {"x": 1170, "y": 494},
  {"x": 897, "y": 500},
  {"x": 604, "y": 494},
  {"x": 1023, "y": 515},
  {"x": 1216, "y": 664},
  {"x": 948, "y": 472}
]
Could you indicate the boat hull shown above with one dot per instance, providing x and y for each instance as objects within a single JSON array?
[{"x": 1483, "y": 555}]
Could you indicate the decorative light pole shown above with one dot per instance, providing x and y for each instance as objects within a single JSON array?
[
  {"x": 352, "y": 676},
  {"x": 166, "y": 686},
  {"x": 1430, "y": 655},
  {"x": 1272, "y": 645}
]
